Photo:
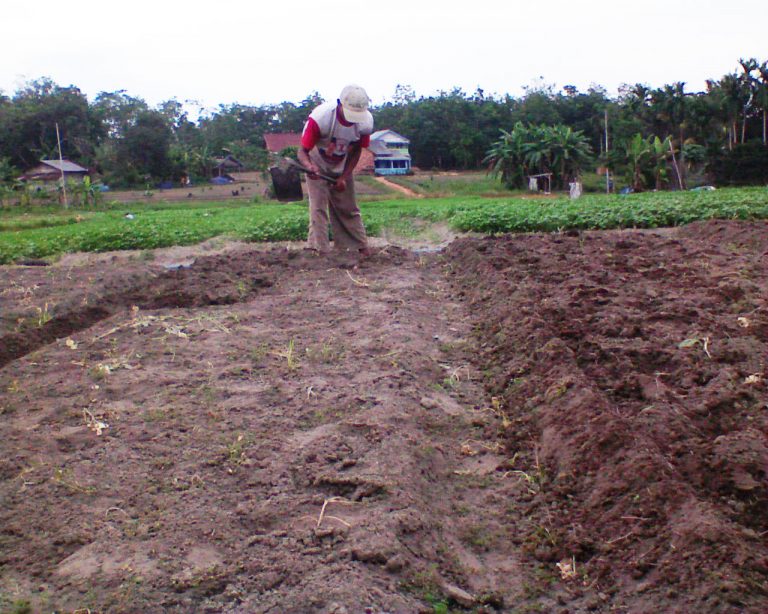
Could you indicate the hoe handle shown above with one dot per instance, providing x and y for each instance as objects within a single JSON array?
[{"x": 304, "y": 169}]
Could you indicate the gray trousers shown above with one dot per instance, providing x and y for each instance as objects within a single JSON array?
[{"x": 340, "y": 208}]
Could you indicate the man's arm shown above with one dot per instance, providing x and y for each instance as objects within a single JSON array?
[
  {"x": 309, "y": 138},
  {"x": 303, "y": 156}
]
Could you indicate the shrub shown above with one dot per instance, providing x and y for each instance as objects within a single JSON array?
[{"x": 745, "y": 164}]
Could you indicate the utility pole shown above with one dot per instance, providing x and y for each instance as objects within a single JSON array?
[
  {"x": 607, "y": 172},
  {"x": 61, "y": 168}
]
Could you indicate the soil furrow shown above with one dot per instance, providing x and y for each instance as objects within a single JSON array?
[
  {"x": 320, "y": 444},
  {"x": 208, "y": 282}
]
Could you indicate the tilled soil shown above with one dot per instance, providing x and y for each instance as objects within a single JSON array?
[
  {"x": 632, "y": 368},
  {"x": 529, "y": 423},
  {"x": 286, "y": 433}
]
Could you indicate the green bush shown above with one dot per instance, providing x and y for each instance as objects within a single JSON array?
[{"x": 746, "y": 164}]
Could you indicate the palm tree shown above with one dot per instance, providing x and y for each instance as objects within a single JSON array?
[
  {"x": 762, "y": 97},
  {"x": 570, "y": 150},
  {"x": 524, "y": 150},
  {"x": 506, "y": 156},
  {"x": 659, "y": 154},
  {"x": 637, "y": 101},
  {"x": 537, "y": 150},
  {"x": 637, "y": 152},
  {"x": 749, "y": 87},
  {"x": 731, "y": 99}
]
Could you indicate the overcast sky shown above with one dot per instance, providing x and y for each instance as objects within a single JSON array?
[{"x": 255, "y": 52}]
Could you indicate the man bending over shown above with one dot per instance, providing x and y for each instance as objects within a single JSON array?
[{"x": 333, "y": 138}]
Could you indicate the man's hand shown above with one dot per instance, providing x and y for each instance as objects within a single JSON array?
[
  {"x": 340, "y": 185},
  {"x": 306, "y": 162},
  {"x": 312, "y": 170}
]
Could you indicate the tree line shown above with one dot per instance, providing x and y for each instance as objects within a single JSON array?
[{"x": 655, "y": 137}]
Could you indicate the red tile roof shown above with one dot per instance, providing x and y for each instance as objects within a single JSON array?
[
  {"x": 277, "y": 141},
  {"x": 365, "y": 166}
]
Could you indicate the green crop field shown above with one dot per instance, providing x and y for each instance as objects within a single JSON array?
[
  {"x": 453, "y": 184},
  {"x": 40, "y": 234}
]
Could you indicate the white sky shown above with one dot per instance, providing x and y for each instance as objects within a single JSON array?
[{"x": 254, "y": 52}]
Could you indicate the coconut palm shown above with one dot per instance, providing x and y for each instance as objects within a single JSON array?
[
  {"x": 749, "y": 86},
  {"x": 761, "y": 98},
  {"x": 731, "y": 99}
]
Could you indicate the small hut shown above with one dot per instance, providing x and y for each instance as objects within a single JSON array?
[
  {"x": 50, "y": 171},
  {"x": 226, "y": 165},
  {"x": 540, "y": 182}
]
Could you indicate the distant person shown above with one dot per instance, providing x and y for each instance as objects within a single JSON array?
[{"x": 333, "y": 138}]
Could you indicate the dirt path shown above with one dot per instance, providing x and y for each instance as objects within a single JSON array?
[
  {"x": 319, "y": 444},
  {"x": 396, "y": 186}
]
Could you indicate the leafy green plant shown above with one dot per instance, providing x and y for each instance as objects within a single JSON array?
[
  {"x": 532, "y": 149},
  {"x": 157, "y": 225}
]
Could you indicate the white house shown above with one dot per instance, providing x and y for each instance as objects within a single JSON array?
[{"x": 390, "y": 153}]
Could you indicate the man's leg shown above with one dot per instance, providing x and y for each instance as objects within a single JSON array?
[
  {"x": 346, "y": 222},
  {"x": 319, "y": 197}
]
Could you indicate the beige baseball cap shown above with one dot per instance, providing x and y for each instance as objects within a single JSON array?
[{"x": 354, "y": 101}]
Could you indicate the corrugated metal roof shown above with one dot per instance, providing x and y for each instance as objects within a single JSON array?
[
  {"x": 229, "y": 162},
  {"x": 380, "y": 150},
  {"x": 394, "y": 136},
  {"x": 65, "y": 165}
]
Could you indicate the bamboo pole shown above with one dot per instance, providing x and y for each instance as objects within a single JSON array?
[
  {"x": 674, "y": 163},
  {"x": 61, "y": 168},
  {"x": 607, "y": 172}
]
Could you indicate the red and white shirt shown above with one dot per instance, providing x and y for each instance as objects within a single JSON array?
[{"x": 327, "y": 137}]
